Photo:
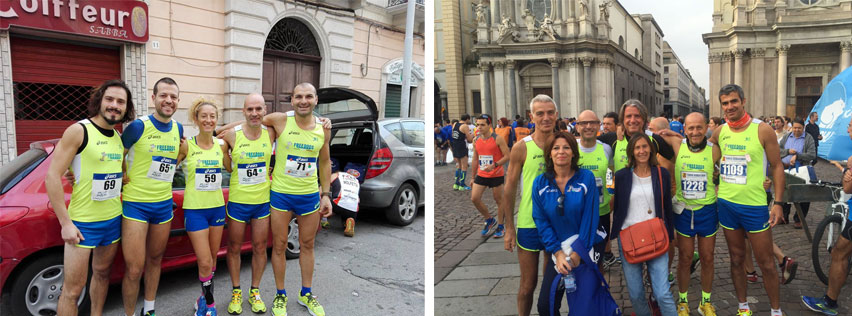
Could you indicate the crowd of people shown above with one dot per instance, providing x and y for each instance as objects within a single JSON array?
[
  {"x": 655, "y": 187},
  {"x": 122, "y": 190}
]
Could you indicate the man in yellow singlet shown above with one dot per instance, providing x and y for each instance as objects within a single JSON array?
[{"x": 91, "y": 224}]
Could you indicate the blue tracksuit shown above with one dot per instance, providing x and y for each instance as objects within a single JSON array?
[
  {"x": 580, "y": 210},
  {"x": 579, "y": 216}
]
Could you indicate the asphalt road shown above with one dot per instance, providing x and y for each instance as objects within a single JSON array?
[{"x": 379, "y": 271}]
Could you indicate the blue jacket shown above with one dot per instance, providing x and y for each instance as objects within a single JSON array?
[
  {"x": 621, "y": 200},
  {"x": 446, "y": 132},
  {"x": 580, "y": 210}
]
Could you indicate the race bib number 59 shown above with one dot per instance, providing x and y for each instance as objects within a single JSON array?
[{"x": 208, "y": 179}]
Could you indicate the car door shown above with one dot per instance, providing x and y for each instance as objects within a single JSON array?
[{"x": 414, "y": 138}]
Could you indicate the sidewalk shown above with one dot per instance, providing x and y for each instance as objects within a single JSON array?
[{"x": 482, "y": 279}]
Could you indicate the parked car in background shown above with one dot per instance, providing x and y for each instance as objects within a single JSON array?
[
  {"x": 390, "y": 151},
  {"x": 31, "y": 270}
]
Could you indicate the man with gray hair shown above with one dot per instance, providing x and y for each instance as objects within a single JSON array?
[{"x": 527, "y": 159}]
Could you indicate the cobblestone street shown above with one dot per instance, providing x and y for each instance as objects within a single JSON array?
[{"x": 475, "y": 276}]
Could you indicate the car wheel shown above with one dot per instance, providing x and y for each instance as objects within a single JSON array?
[
  {"x": 404, "y": 207},
  {"x": 293, "y": 249},
  {"x": 37, "y": 287}
]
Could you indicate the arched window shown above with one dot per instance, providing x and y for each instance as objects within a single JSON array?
[
  {"x": 292, "y": 36},
  {"x": 621, "y": 42},
  {"x": 539, "y": 8}
]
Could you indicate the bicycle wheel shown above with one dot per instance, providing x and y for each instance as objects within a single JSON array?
[{"x": 825, "y": 237}]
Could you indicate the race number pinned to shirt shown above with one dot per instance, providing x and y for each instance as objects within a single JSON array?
[
  {"x": 208, "y": 179},
  {"x": 106, "y": 186},
  {"x": 251, "y": 173},
  {"x": 599, "y": 183},
  {"x": 162, "y": 168},
  {"x": 348, "y": 197},
  {"x": 734, "y": 168},
  {"x": 693, "y": 185},
  {"x": 485, "y": 160},
  {"x": 300, "y": 167}
]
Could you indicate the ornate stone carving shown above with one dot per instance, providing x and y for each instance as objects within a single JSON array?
[
  {"x": 507, "y": 28},
  {"x": 782, "y": 49},
  {"x": 758, "y": 52},
  {"x": 484, "y": 66},
  {"x": 547, "y": 28},
  {"x": 571, "y": 62},
  {"x": 587, "y": 61},
  {"x": 554, "y": 62},
  {"x": 738, "y": 53},
  {"x": 604, "y": 14},
  {"x": 510, "y": 64},
  {"x": 726, "y": 57},
  {"x": 498, "y": 64},
  {"x": 584, "y": 8},
  {"x": 529, "y": 21},
  {"x": 481, "y": 14},
  {"x": 845, "y": 47}
]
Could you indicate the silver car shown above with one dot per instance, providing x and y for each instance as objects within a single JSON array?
[{"x": 390, "y": 151}]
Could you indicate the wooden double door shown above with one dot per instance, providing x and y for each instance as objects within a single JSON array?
[{"x": 282, "y": 72}]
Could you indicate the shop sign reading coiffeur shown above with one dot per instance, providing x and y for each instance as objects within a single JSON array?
[{"x": 124, "y": 20}]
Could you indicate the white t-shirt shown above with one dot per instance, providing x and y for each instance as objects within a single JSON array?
[{"x": 641, "y": 200}]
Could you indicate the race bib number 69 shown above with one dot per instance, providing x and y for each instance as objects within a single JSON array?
[{"x": 106, "y": 186}]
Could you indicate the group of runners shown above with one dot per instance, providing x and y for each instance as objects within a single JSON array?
[
  {"x": 720, "y": 178},
  {"x": 122, "y": 190}
]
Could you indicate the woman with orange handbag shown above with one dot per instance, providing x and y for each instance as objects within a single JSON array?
[{"x": 643, "y": 223}]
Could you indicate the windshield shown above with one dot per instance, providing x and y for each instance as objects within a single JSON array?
[{"x": 20, "y": 167}]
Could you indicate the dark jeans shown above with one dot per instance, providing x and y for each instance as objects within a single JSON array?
[
  {"x": 344, "y": 213},
  {"x": 544, "y": 293},
  {"x": 787, "y": 206}
]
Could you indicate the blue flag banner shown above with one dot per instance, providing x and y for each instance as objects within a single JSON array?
[{"x": 835, "y": 111}]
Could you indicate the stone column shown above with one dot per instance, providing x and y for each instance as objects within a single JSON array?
[
  {"x": 587, "y": 81},
  {"x": 494, "y": 19},
  {"x": 513, "y": 89},
  {"x": 554, "y": 70},
  {"x": 845, "y": 55},
  {"x": 756, "y": 101},
  {"x": 738, "y": 66},
  {"x": 499, "y": 89},
  {"x": 485, "y": 81},
  {"x": 781, "y": 104}
]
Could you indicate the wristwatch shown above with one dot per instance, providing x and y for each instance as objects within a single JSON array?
[{"x": 328, "y": 194}]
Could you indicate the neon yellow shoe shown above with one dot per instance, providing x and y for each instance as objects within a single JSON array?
[
  {"x": 682, "y": 309},
  {"x": 311, "y": 303},
  {"x": 235, "y": 307},
  {"x": 743, "y": 312},
  {"x": 707, "y": 309},
  {"x": 279, "y": 305},
  {"x": 256, "y": 303}
]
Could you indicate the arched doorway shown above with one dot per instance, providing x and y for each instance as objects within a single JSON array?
[{"x": 291, "y": 56}]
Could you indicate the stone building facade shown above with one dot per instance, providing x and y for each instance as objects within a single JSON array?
[
  {"x": 681, "y": 94},
  {"x": 783, "y": 53},
  {"x": 225, "y": 49},
  {"x": 494, "y": 56}
]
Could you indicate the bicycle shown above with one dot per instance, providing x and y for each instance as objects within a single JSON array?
[{"x": 829, "y": 230}]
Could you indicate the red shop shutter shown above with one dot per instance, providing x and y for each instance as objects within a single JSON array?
[{"x": 52, "y": 82}]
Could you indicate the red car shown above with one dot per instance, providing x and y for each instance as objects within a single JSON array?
[{"x": 31, "y": 270}]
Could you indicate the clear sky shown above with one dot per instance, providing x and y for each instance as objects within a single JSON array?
[{"x": 682, "y": 23}]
